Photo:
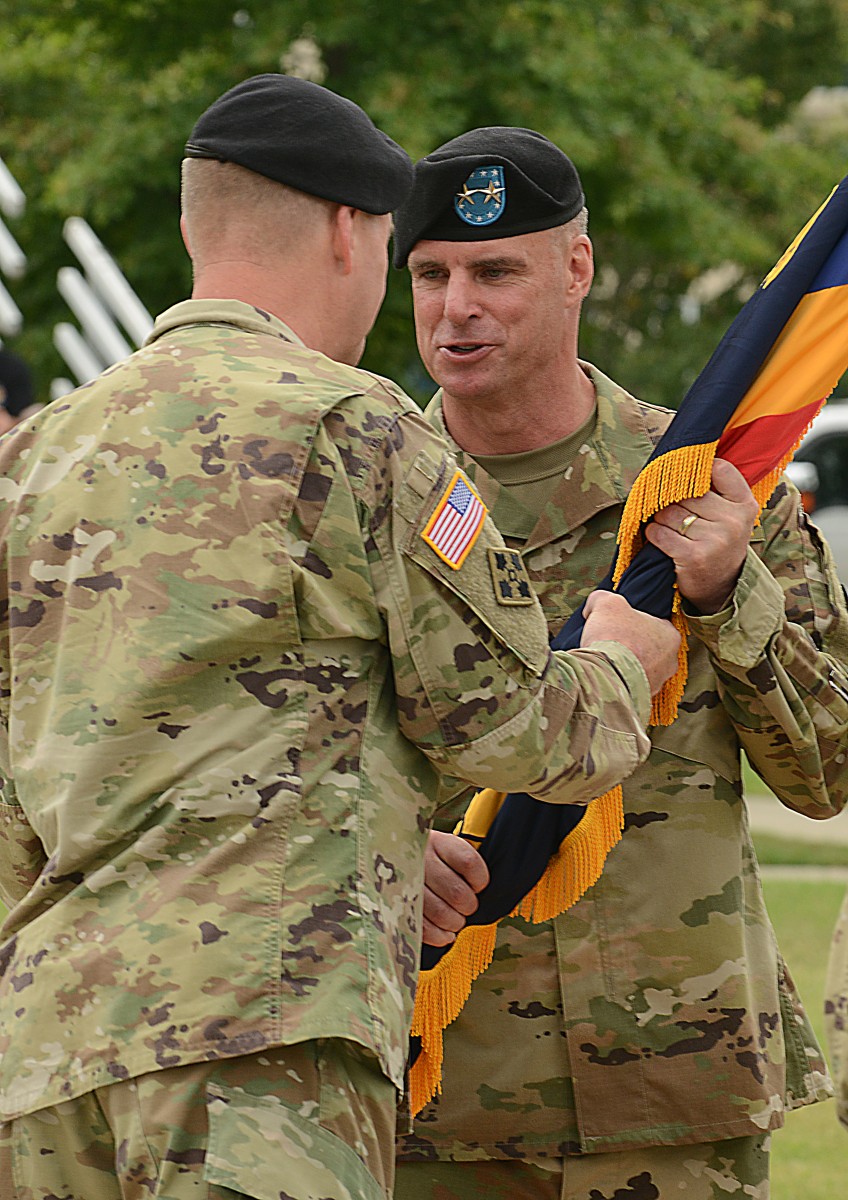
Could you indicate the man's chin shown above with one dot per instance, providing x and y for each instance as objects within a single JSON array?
[{"x": 465, "y": 386}]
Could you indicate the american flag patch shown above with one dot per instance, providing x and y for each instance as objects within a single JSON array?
[{"x": 452, "y": 529}]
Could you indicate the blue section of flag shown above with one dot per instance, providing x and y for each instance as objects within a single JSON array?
[{"x": 834, "y": 273}]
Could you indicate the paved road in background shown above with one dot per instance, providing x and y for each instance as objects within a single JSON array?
[{"x": 768, "y": 815}]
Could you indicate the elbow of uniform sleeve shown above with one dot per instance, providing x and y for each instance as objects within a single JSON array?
[
  {"x": 579, "y": 735},
  {"x": 629, "y": 670},
  {"x": 740, "y": 633}
]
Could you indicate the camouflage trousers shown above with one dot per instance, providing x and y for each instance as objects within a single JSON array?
[
  {"x": 709, "y": 1171},
  {"x": 312, "y": 1120}
]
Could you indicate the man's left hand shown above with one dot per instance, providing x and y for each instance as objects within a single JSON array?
[{"x": 708, "y": 537}]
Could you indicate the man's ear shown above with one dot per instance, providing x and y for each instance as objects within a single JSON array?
[
  {"x": 343, "y": 221},
  {"x": 581, "y": 265},
  {"x": 184, "y": 234}
]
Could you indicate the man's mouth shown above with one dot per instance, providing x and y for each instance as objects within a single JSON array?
[{"x": 464, "y": 349}]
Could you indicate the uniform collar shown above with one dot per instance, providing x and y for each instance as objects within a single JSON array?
[
  {"x": 600, "y": 476},
  {"x": 220, "y": 312}
]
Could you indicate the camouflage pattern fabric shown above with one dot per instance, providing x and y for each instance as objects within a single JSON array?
[
  {"x": 658, "y": 1010},
  {"x": 836, "y": 1010},
  {"x": 304, "y": 1122},
  {"x": 235, "y": 682},
  {"x": 713, "y": 1171}
]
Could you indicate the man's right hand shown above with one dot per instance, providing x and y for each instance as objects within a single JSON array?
[
  {"x": 655, "y": 642},
  {"x": 453, "y": 875}
]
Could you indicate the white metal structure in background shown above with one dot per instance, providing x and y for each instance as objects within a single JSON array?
[
  {"x": 111, "y": 317},
  {"x": 12, "y": 258},
  {"x": 107, "y": 279},
  {"x": 104, "y": 304}
]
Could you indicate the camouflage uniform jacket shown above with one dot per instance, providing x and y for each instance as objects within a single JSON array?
[
  {"x": 658, "y": 1009},
  {"x": 234, "y": 680}
]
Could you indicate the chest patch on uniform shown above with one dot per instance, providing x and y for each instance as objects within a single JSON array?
[
  {"x": 455, "y": 522},
  {"x": 509, "y": 575}
]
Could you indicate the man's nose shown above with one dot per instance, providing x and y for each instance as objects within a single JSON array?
[{"x": 461, "y": 300}]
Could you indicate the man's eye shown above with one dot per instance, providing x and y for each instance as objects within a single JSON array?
[{"x": 494, "y": 273}]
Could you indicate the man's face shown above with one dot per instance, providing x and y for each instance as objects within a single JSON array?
[{"x": 491, "y": 316}]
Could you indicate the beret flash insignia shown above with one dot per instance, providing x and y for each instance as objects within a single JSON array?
[{"x": 483, "y": 196}]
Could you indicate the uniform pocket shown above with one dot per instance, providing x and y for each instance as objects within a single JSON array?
[{"x": 259, "y": 1147}]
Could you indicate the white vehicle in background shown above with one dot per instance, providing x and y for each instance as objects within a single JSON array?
[{"x": 820, "y": 472}]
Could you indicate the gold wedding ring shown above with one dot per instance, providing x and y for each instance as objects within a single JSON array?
[{"x": 687, "y": 522}]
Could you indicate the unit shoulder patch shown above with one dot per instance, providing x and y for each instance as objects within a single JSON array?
[{"x": 509, "y": 575}]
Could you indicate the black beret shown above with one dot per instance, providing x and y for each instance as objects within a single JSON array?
[
  {"x": 306, "y": 136},
  {"x": 489, "y": 183}
]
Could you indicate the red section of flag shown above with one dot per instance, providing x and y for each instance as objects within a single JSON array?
[{"x": 752, "y": 447}]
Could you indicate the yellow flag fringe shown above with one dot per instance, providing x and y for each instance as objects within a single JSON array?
[
  {"x": 442, "y": 992},
  {"x": 678, "y": 475},
  {"x": 664, "y": 704},
  {"x": 578, "y": 862},
  {"x": 444, "y": 989}
]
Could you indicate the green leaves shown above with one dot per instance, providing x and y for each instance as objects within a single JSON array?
[{"x": 683, "y": 119}]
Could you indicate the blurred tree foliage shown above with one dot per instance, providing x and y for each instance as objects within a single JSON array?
[{"x": 683, "y": 118}]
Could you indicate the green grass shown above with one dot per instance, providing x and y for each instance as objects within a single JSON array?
[
  {"x": 781, "y": 852},
  {"x": 810, "y": 1154}
]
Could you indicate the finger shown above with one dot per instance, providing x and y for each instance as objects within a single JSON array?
[
  {"x": 452, "y": 856},
  {"x": 441, "y": 913},
  {"x": 433, "y": 936},
  {"x": 680, "y": 545},
  {"x": 728, "y": 481},
  {"x": 678, "y": 518},
  {"x": 599, "y": 598},
  {"x": 453, "y": 891}
]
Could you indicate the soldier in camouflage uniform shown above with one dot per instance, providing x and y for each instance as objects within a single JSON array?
[
  {"x": 646, "y": 1042},
  {"x": 236, "y": 678}
]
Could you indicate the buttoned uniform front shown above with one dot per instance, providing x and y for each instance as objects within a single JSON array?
[
  {"x": 658, "y": 1011},
  {"x": 235, "y": 682}
]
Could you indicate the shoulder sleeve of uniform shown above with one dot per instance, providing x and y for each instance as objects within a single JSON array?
[
  {"x": 477, "y": 686},
  {"x": 779, "y": 652},
  {"x": 789, "y": 576}
]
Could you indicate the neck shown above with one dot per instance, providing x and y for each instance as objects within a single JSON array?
[
  {"x": 287, "y": 292},
  {"x": 510, "y": 424}
]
